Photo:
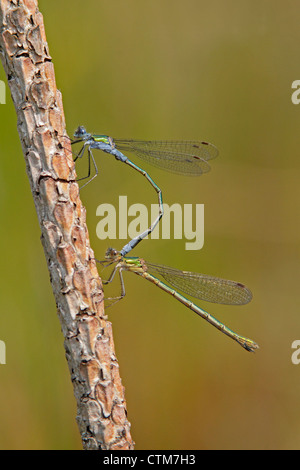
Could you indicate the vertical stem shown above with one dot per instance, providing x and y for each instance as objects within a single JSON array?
[{"x": 88, "y": 340}]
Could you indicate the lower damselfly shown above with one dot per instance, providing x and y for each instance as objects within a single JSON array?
[
  {"x": 182, "y": 157},
  {"x": 200, "y": 286}
]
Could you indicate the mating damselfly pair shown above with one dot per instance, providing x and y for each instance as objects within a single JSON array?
[{"x": 186, "y": 158}]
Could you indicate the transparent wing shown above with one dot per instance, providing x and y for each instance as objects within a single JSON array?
[
  {"x": 183, "y": 157},
  {"x": 202, "y": 286}
]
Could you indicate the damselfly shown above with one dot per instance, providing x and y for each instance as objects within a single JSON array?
[
  {"x": 183, "y": 157},
  {"x": 201, "y": 286}
]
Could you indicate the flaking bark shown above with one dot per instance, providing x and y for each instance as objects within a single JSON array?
[{"x": 88, "y": 340}]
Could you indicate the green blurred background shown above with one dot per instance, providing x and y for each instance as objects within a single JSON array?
[{"x": 216, "y": 71}]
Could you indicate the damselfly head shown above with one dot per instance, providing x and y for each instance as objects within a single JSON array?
[
  {"x": 81, "y": 133},
  {"x": 112, "y": 254}
]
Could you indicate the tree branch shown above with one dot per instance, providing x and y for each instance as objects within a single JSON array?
[{"x": 88, "y": 339}]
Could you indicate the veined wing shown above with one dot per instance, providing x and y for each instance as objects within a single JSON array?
[
  {"x": 202, "y": 286},
  {"x": 183, "y": 157}
]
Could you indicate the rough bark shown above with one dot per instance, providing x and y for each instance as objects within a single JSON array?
[{"x": 88, "y": 340}]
